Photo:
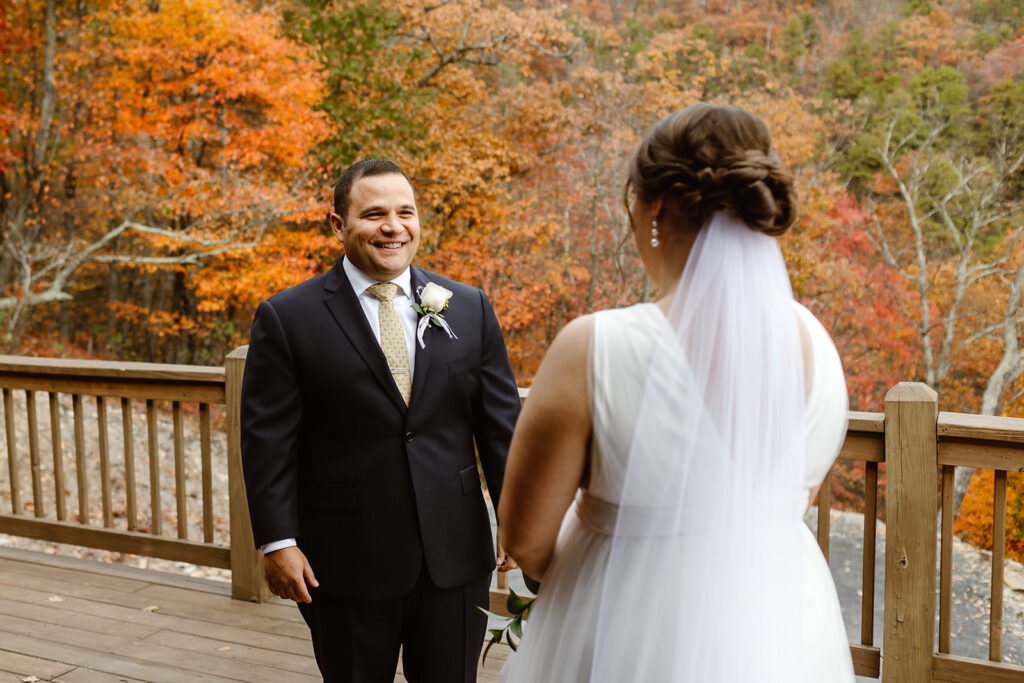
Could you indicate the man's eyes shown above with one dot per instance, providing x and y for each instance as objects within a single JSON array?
[{"x": 407, "y": 213}]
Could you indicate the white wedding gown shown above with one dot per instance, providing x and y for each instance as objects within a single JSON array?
[{"x": 558, "y": 641}]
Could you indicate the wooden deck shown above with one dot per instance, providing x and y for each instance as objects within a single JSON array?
[{"x": 80, "y": 621}]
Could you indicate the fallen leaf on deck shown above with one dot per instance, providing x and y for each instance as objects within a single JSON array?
[
  {"x": 30, "y": 679},
  {"x": 55, "y": 598},
  {"x": 150, "y": 608},
  {"x": 224, "y": 649}
]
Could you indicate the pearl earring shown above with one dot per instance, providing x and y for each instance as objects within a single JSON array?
[{"x": 655, "y": 242}]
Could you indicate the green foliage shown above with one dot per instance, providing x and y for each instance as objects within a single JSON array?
[
  {"x": 841, "y": 81},
  {"x": 511, "y": 629},
  {"x": 888, "y": 47},
  {"x": 1008, "y": 12},
  {"x": 922, "y": 7},
  {"x": 704, "y": 31},
  {"x": 859, "y": 163},
  {"x": 794, "y": 42},
  {"x": 858, "y": 52},
  {"x": 984, "y": 42},
  {"x": 352, "y": 41},
  {"x": 941, "y": 95}
]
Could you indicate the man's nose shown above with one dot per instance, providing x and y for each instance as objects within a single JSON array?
[{"x": 392, "y": 223}]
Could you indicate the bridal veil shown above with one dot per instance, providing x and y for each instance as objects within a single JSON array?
[{"x": 704, "y": 576}]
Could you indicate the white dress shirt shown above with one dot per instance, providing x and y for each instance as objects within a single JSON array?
[{"x": 403, "y": 301}]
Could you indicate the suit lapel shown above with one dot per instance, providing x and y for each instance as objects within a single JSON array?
[
  {"x": 344, "y": 307},
  {"x": 423, "y": 355}
]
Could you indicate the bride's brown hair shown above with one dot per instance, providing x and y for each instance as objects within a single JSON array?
[{"x": 711, "y": 157}]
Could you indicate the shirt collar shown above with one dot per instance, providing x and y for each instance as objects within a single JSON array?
[{"x": 360, "y": 281}]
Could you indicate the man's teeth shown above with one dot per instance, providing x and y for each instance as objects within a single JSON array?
[{"x": 390, "y": 245}]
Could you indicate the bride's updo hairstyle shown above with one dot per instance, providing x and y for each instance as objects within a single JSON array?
[{"x": 711, "y": 157}]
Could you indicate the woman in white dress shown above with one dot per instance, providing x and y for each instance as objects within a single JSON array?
[{"x": 691, "y": 434}]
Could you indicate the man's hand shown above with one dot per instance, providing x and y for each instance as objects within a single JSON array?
[
  {"x": 287, "y": 574},
  {"x": 504, "y": 562}
]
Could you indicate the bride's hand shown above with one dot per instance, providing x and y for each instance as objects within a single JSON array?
[{"x": 503, "y": 561}]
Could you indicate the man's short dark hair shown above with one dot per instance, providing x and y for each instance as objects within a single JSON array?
[{"x": 360, "y": 169}]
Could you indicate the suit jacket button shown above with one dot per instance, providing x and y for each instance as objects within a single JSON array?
[{"x": 408, "y": 436}]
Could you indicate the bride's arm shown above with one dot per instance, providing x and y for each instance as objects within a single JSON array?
[{"x": 548, "y": 455}]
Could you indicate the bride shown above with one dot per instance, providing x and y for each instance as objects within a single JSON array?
[{"x": 660, "y": 469}]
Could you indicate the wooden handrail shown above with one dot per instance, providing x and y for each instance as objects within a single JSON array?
[{"x": 94, "y": 369}]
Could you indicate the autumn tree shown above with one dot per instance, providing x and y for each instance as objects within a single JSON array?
[{"x": 179, "y": 132}]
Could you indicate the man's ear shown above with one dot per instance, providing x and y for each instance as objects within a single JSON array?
[{"x": 337, "y": 224}]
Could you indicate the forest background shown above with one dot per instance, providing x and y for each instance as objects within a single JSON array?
[{"x": 167, "y": 164}]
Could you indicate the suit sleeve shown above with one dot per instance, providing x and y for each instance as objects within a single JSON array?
[
  {"x": 271, "y": 412},
  {"x": 496, "y": 406}
]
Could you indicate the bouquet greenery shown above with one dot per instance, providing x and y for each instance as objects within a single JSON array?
[{"x": 511, "y": 629}]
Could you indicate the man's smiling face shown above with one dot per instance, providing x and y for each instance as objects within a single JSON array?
[{"x": 381, "y": 232}]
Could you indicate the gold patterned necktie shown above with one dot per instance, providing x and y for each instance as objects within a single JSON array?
[{"x": 392, "y": 338}]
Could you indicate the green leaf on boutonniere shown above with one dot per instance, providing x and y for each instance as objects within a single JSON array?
[
  {"x": 416, "y": 307},
  {"x": 532, "y": 585}
]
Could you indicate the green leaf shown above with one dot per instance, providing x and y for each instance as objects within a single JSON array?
[
  {"x": 516, "y": 604},
  {"x": 492, "y": 615},
  {"x": 497, "y": 633},
  {"x": 514, "y": 644},
  {"x": 418, "y": 309},
  {"x": 516, "y": 627},
  {"x": 532, "y": 585}
]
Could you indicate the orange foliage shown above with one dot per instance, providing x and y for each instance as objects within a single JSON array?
[{"x": 974, "y": 523}]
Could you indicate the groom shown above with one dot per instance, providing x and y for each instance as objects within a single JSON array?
[{"x": 359, "y": 419}]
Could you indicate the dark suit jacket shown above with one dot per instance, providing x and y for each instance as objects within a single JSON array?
[{"x": 333, "y": 457}]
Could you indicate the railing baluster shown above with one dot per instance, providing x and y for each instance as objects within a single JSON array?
[
  {"x": 154, "y": 468},
  {"x": 101, "y": 424},
  {"x": 995, "y": 622},
  {"x": 946, "y": 560},
  {"x": 867, "y": 600},
  {"x": 824, "y": 504},
  {"x": 58, "y": 457},
  {"x": 12, "y": 452},
  {"x": 38, "y": 507},
  {"x": 207, "y": 459},
  {"x": 130, "y": 491},
  {"x": 80, "y": 463},
  {"x": 179, "y": 469}
]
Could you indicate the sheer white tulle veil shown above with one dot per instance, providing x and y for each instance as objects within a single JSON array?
[{"x": 704, "y": 576}]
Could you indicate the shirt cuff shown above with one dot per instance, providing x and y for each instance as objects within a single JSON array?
[{"x": 277, "y": 545}]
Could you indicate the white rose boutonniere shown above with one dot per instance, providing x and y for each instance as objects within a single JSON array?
[{"x": 433, "y": 301}]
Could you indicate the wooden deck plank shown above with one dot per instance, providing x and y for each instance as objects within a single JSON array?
[
  {"x": 277, "y": 642},
  {"x": 80, "y": 675},
  {"x": 24, "y": 666},
  {"x": 85, "y": 622},
  {"x": 275, "y": 617},
  {"x": 186, "y": 663},
  {"x": 239, "y": 652},
  {"x": 83, "y": 656}
]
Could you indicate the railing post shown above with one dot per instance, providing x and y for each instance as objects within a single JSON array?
[
  {"x": 247, "y": 580},
  {"x": 911, "y": 474}
]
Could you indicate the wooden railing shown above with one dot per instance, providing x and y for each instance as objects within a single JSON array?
[
  {"x": 910, "y": 437},
  {"x": 865, "y": 442},
  {"x": 126, "y": 523}
]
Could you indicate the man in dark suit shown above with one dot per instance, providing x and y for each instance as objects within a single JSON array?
[{"x": 363, "y": 486}]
